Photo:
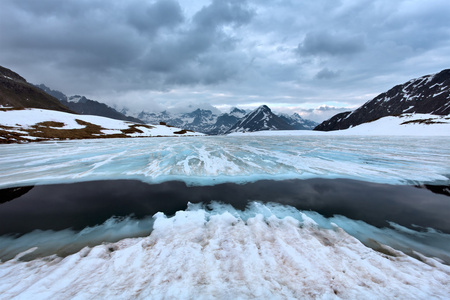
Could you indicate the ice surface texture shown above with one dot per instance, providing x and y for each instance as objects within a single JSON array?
[{"x": 211, "y": 160}]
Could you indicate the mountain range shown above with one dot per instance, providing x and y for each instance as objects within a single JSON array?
[
  {"x": 428, "y": 94},
  {"x": 237, "y": 120},
  {"x": 199, "y": 120}
]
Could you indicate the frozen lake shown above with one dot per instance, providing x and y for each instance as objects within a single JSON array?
[
  {"x": 280, "y": 217},
  {"x": 212, "y": 160}
]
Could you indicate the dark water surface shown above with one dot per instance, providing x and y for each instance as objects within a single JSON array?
[{"x": 77, "y": 205}]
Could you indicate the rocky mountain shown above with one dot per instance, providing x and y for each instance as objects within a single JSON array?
[
  {"x": 84, "y": 106},
  {"x": 207, "y": 122},
  {"x": 16, "y": 92},
  {"x": 428, "y": 94},
  {"x": 200, "y": 120},
  {"x": 261, "y": 118},
  {"x": 297, "y": 122},
  {"x": 226, "y": 121}
]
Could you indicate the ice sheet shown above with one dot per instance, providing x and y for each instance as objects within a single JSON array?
[
  {"x": 210, "y": 160},
  {"x": 265, "y": 252}
]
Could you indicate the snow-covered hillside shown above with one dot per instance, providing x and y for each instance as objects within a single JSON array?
[
  {"x": 428, "y": 94},
  {"x": 40, "y": 124},
  {"x": 403, "y": 125}
]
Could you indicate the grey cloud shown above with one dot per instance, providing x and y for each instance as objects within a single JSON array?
[
  {"x": 322, "y": 42},
  {"x": 326, "y": 73},
  {"x": 321, "y": 113},
  {"x": 198, "y": 54},
  {"x": 254, "y": 51},
  {"x": 223, "y": 12},
  {"x": 161, "y": 14}
]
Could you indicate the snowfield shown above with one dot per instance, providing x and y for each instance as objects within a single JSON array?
[{"x": 28, "y": 125}]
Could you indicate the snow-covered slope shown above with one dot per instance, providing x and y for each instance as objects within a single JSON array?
[
  {"x": 403, "y": 125},
  {"x": 429, "y": 94},
  {"x": 40, "y": 124}
]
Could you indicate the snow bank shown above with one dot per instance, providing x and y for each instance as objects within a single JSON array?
[{"x": 203, "y": 254}]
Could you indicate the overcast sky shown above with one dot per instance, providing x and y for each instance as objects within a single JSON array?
[{"x": 313, "y": 57}]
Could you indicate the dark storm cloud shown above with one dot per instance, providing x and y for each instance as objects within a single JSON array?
[
  {"x": 152, "y": 41},
  {"x": 151, "y": 17},
  {"x": 322, "y": 42},
  {"x": 249, "y": 52},
  {"x": 198, "y": 54}
]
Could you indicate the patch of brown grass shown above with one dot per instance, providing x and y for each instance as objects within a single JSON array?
[
  {"x": 133, "y": 128},
  {"x": 183, "y": 131},
  {"x": 423, "y": 121},
  {"x": 50, "y": 124}
]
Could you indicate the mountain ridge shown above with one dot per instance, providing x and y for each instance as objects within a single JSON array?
[
  {"x": 85, "y": 106},
  {"x": 16, "y": 92},
  {"x": 426, "y": 94}
]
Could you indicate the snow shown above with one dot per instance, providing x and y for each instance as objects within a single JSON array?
[
  {"x": 437, "y": 94},
  {"x": 239, "y": 158},
  {"x": 25, "y": 119},
  {"x": 7, "y": 77},
  {"x": 74, "y": 99},
  {"x": 265, "y": 252}
]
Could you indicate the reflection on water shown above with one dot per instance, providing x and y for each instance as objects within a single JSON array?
[{"x": 78, "y": 205}]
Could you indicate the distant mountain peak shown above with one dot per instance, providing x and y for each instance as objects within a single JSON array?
[{"x": 262, "y": 118}]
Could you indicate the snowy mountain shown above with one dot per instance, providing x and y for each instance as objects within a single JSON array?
[
  {"x": 207, "y": 122},
  {"x": 200, "y": 120},
  {"x": 429, "y": 94},
  {"x": 16, "y": 92},
  {"x": 261, "y": 118},
  {"x": 84, "y": 106},
  {"x": 297, "y": 122},
  {"x": 225, "y": 121}
]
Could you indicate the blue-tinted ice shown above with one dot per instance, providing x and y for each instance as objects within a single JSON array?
[{"x": 210, "y": 160}]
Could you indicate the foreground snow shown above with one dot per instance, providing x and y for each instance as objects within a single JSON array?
[
  {"x": 226, "y": 254},
  {"x": 404, "y": 125},
  {"x": 28, "y": 123},
  {"x": 211, "y": 160}
]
